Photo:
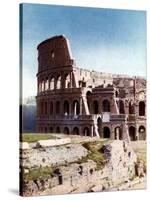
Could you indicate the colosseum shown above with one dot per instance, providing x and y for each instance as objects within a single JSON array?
[{"x": 73, "y": 100}]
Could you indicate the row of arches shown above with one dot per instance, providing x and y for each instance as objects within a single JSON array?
[
  {"x": 65, "y": 108},
  {"x": 66, "y": 130},
  {"x": 132, "y": 133},
  {"x": 51, "y": 83},
  {"x": 76, "y": 131}
]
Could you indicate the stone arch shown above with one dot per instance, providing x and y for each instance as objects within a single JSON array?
[
  {"x": 57, "y": 107},
  {"x": 52, "y": 83},
  {"x": 142, "y": 133},
  {"x": 121, "y": 107},
  {"x": 67, "y": 80},
  {"x": 86, "y": 131},
  {"x": 131, "y": 108},
  {"x": 75, "y": 131},
  {"x": 66, "y": 107},
  {"x": 132, "y": 133},
  {"x": 88, "y": 97},
  {"x": 51, "y": 129},
  {"x": 106, "y": 132},
  {"x": 58, "y": 82},
  {"x": 66, "y": 130},
  {"x": 118, "y": 133},
  {"x": 43, "y": 86},
  {"x": 57, "y": 129},
  {"x": 76, "y": 107},
  {"x": 99, "y": 125},
  {"x": 46, "y": 84},
  {"x": 51, "y": 108},
  {"x": 106, "y": 105},
  {"x": 45, "y": 129},
  {"x": 95, "y": 107},
  {"x": 141, "y": 108}
]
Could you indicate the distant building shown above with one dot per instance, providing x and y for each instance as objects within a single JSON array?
[{"x": 71, "y": 100}]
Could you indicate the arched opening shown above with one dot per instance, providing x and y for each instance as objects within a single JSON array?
[
  {"x": 131, "y": 108},
  {"x": 121, "y": 107},
  {"x": 86, "y": 131},
  {"x": 132, "y": 133},
  {"x": 95, "y": 107},
  {"x": 51, "y": 129},
  {"x": 106, "y": 106},
  {"x": 88, "y": 97},
  {"x": 59, "y": 175},
  {"x": 45, "y": 108},
  {"x": 58, "y": 83},
  {"x": 67, "y": 81},
  {"x": 51, "y": 108},
  {"x": 46, "y": 84},
  {"x": 76, "y": 107},
  {"x": 116, "y": 93},
  {"x": 106, "y": 132},
  {"x": 118, "y": 133},
  {"x": 52, "y": 83},
  {"x": 99, "y": 125},
  {"x": 57, "y": 129},
  {"x": 45, "y": 130},
  {"x": 57, "y": 107},
  {"x": 75, "y": 131},
  {"x": 66, "y": 107},
  {"x": 142, "y": 133},
  {"x": 43, "y": 85},
  {"x": 141, "y": 108},
  {"x": 66, "y": 130}
]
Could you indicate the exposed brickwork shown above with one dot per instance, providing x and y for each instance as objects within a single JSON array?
[{"x": 79, "y": 101}]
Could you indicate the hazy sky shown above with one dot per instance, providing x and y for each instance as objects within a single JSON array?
[{"x": 105, "y": 40}]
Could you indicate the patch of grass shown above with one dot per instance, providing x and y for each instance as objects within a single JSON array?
[
  {"x": 34, "y": 137},
  {"x": 42, "y": 172},
  {"x": 95, "y": 153}
]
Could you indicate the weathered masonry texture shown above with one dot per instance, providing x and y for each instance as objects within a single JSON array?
[{"x": 72, "y": 100}]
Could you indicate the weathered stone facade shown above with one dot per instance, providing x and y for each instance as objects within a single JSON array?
[{"x": 77, "y": 101}]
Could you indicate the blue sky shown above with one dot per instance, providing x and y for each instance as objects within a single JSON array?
[{"x": 105, "y": 40}]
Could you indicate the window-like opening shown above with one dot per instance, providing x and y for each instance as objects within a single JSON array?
[
  {"x": 52, "y": 85},
  {"x": 95, "y": 107},
  {"x": 43, "y": 85},
  {"x": 57, "y": 107},
  {"x": 66, "y": 130},
  {"x": 58, "y": 83},
  {"x": 52, "y": 54},
  {"x": 106, "y": 132},
  {"x": 121, "y": 107},
  {"x": 46, "y": 84},
  {"x": 76, "y": 107},
  {"x": 67, "y": 81},
  {"x": 132, "y": 133},
  {"x": 51, "y": 129},
  {"x": 86, "y": 131},
  {"x": 57, "y": 130},
  {"x": 106, "y": 106},
  {"x": 76, "y": 131},
  {"x": 142, "y": 133},
  {"x": 51, "y": 108},
  {"x": 66, "y": 108},
  {"x": 131, "y": 108},
  {"x": 141, "y": 108}
]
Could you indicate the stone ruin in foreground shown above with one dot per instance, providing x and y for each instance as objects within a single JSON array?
[{"x": 76, "y": 101}]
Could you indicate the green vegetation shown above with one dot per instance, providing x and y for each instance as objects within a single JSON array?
[
  {"x": 42, "y": 172},
  {"x": 34, "y": 137},
  {"x": 95, "y": 153}
]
